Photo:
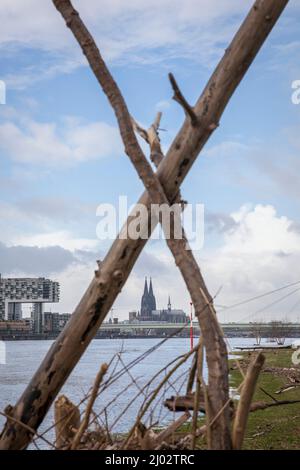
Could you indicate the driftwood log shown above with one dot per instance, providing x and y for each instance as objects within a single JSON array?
[
  {"x": 184, "y": 403},
  {"x": 116, "y": 267}
]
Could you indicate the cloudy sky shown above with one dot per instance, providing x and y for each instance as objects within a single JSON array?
[{"x": 61, "y": 154}]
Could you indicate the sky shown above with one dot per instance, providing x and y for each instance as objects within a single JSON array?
[{"x": 61, "y": 154}]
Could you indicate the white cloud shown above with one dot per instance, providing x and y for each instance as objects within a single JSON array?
[
  {"x": 134, "y": 32},
  {"x": 261, "y": 253},
  {"x": 25, "y": 260},
  {"x": 61, "y": 238},
  {"x": 226, "y": 149},
  {"x": 261, "y": 230},
  {"x": 28, "y": 141},
  {"x": 47, "y": 221},
  {"x": 43, "y": 70},
  {"x": 266, "y": 166},
  {"x": 74, "y": 281}
]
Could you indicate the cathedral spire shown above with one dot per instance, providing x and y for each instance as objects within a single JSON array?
[
  {"x": 148, "y": 303},
  {"x": 151, "y": 297},
  {"x": 145, "y": 287},
  {"x": 169, "y": 304},
  {"x": 150, "y": 287}
]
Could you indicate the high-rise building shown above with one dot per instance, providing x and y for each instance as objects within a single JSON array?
[
  {"x": 55, "y": 322},
  {"x": 16, "y": 291}
]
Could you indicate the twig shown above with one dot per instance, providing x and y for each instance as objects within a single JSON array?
[
  {"x": 268, "y": 394},
  {"x": 287, "y": 388},
  {"x": 261, "y": 405},
  {"x": 166, "y": 433},
  {"x": 248, "y": 388},
  {"x": 197, "y": 392},
  {"x": 155, "y": 393},
  {"x": 145, "y": 387},
  {"x": 151, "y": 136},
  {"x": 28, "y": 428},
  {"x": 85, "y": 422},
  {"x": 192, "y": 374}
]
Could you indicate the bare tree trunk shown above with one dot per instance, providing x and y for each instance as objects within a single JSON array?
[{"x": 116, "y": 267}]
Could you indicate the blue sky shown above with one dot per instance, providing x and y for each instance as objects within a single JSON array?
[{"x": 61, "y": 154}]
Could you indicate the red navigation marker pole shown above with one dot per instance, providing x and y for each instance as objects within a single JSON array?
[{"x": 191, "y": 326}]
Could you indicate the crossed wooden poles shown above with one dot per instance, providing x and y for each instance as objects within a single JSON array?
[{"x": 162, "y": 187}]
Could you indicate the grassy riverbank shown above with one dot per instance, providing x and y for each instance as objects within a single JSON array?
[{"x": 277, "y": 427}]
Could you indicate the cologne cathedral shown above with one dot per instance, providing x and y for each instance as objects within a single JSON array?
[{"x": 149, "y": 312}]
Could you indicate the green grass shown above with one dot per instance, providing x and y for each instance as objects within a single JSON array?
[{"x": 277, "y": 427}]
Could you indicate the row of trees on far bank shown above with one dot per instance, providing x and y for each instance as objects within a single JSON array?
[{"x": 275, "y": 331}]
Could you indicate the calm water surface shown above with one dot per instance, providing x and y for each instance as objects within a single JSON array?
[{"x": 23, "y": 358}]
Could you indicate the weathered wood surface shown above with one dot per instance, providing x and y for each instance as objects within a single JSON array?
[
  {"x": 67, "y": 421},
  {"x": 243, "y": 408},
  {"x": 184, "y": 403}
]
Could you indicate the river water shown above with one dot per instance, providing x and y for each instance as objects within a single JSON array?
[{"x": 23, "y": 358}]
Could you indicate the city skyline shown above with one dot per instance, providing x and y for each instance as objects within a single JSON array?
[{"x": 55, "y": 143}]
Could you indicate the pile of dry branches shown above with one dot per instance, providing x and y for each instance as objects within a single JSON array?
[{"x": 93, "y": 423}]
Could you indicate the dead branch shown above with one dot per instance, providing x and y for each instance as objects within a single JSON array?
[
  {"x": 154, "y": 394},
  {"x": 197, "y": 395},
  {"x": 184, "y": 442},
  {"x": 287, "y": 388},
  {"x": 267, "y": 393},
  {"x": 10, "y": 419},
  {"x": 248, "y": 388},
  {"x": 151, "y": 136},
  {"x": 192, "y": 374},
  {"x": 85, "y": 422},
  {"x": 163, "y": 436},
  {"x": 144, "y": 436},
  {"x": 178, "y": 96},
  {"x": 262, "y": 405},
  {"x": 184, "y": 403}
]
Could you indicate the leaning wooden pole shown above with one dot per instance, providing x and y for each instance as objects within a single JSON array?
[
  {"x": 248, "y": 389},
  {"x": 118, "y": 263},
  {"x": 218, "y": 435}
]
